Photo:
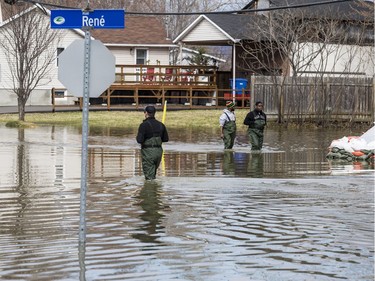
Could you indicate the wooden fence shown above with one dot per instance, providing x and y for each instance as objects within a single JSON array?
[{"x": 317, "y": 99}]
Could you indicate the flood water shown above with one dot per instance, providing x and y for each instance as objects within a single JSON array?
[{"x": 283, "y": 214}]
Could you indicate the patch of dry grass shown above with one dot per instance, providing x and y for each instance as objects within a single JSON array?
[{"x": 129, "y": 119}]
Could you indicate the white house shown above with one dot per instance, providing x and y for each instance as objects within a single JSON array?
[{"x": 142, "y": 41}]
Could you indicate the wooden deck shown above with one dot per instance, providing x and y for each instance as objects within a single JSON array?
[
  {"x": 188, "y": 86},
  {"x": 158, "y": 83}
]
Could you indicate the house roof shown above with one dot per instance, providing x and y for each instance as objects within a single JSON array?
[
  {"x": 352, "y": 10},
  {"x": 224, "y": 26},
  {"x": 139, "y": 30},
  {"x": 221, "y": 28},
  {"x": 239, "y": 26}
]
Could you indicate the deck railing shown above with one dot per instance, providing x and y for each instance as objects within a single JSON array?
[{"x": 171, "y": 75}]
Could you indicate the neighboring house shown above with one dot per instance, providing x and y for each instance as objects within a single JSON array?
[
  {"x": 143, "y": 41},
  {"x": 335, "y": 39}
]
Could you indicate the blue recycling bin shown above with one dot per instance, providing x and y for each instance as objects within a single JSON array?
[{"x": 241, "y": 83}]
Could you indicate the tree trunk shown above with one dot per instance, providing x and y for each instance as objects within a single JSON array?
[
  {"x": 21, "y": 108},
  {"x": 280, "y": 113}
]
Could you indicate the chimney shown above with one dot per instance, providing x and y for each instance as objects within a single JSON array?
[{"x": 263, "y": 4}]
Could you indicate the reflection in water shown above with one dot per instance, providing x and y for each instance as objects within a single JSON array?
[
  {"x": 149, "y": 200},
  {"x": 220, "y": 225},
  {"x": 255, "y": 164},
  {"x": 23, "y": 173},
  {"x": 82, "y": 260},
  {"x": 228, "y": 163},
  {"x": 22, "y": 185},
  {"x": 243, "y": 164},
  {"x": 345, "y": 167}
]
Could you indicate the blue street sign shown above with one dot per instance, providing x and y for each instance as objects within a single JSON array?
[{"x": 97, "y": 19}]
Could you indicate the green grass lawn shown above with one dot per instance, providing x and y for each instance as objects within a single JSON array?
[{"x": 118, "y": 119}]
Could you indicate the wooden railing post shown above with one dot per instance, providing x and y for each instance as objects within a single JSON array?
[
  {"x": 122, "y": 75},
  {"x": 109, "y": 99},
  {"x": 162, "y": 96},
  {"x": 136, "y": 98},
  {"x": 216, "y": 97},
  {"x": 191, "y": 97}
]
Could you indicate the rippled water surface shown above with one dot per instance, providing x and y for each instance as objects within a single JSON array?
[{"x": 283, "y": 214}]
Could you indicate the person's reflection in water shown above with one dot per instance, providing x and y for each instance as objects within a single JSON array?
[
  {"x": 228, "y": 163},
  {"x": 151, "y": 204},
  {"x": 255, "y": 165}
]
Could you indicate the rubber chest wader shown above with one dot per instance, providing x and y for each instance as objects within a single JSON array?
[
  {"x": 151, "y": 156},
  {"x": 256, "y": 133},
  {"x": 229, "y": 131}
]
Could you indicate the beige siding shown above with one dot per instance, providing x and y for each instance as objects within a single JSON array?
[
  {"x": 161, "y": 54},
  {"x": 67, "y": 37},
  {"x": 124, "y": 55},
  {"x": 353, "y": 59},
  {"x": 205, "y": 31}
]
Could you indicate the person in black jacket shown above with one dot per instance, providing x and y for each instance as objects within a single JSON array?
[
  {"x": 256, "y": 120},
  {"x": 151, "y": 135}
]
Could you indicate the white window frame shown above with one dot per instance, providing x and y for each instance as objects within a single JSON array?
[{"x": 59, "y": 50}]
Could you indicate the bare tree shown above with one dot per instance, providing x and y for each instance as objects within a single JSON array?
[
  {"x": 277, "y": 50},
  {"x": 295, "y": 43},
  {"x": 29, "y": 44}
]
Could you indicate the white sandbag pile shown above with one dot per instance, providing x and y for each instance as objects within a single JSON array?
[{"x": 354, "y": 148}]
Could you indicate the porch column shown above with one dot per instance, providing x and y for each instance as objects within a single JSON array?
[{"x": 234, "y": 73}]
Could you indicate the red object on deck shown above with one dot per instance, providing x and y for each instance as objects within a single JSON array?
[
  {"x": 229, "y": 96},
  {"x": 149, "y": 74}
]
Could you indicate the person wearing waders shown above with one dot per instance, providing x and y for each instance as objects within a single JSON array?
[
  {"x": 227, "y": 123},
  {"x": 151, "y": 135},
  {"x": 256, "y": 120}
]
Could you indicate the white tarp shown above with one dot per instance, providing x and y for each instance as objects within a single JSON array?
[
  {"x": 351, "y": 144},
  {"x": 369, "y": 136}
]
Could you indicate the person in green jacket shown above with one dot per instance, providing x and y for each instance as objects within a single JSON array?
[
  {"x": 151, "y": 135},
  {"x": 227, "y": 123},
  {"x": 256, "y": 120}
]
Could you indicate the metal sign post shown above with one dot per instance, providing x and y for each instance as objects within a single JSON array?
[
  {"x": 98, "y": 74},
  {"x": 85, "y": 131}
]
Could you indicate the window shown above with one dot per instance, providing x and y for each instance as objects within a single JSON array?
[
  {"x": 59, "y": 51},
  {"x": 59, "y": 94},
  {"x": 141, "y": 57}
]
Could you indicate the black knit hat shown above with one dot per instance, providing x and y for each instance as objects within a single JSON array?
[{"x": 150, "y": 109}]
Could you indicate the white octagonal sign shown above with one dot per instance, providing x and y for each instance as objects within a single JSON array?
[{"x": 101, "y": 70}]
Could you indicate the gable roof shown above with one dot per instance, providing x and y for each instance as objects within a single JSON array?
[
  {"x": 222, "y": 27},
  {"x": 139, "y": 30}
]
